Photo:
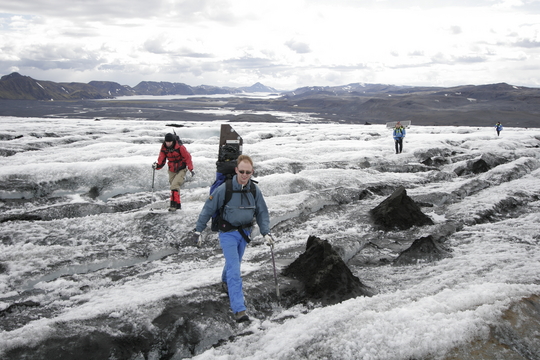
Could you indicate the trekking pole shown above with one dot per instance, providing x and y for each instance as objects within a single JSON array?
[
  {"x": 275, "y": 273},
  {"x": 153, "y": 177}
]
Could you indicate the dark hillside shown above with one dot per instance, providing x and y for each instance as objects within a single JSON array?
[
  {"x": 468, "y": 105},
  {"x": 111, "y": 88}
]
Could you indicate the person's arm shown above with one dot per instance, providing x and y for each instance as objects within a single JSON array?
[
  {"x": 162, "y": 159},
  {"x": 187, "y": 157},
  {"x": 212, "y": 204},
  {"x": 262, "y": 216}
]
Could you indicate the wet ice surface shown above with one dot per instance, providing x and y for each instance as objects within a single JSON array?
[{"x": 91, "y": 254}]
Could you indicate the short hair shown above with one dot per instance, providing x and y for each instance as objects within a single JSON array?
[{"x": 244, "y": 158}]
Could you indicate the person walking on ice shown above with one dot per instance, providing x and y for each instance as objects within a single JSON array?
[
  {"x": 399, "y": 134},
  {"x": 498, "y": 127},
  {"x": 235, "y": 223},
  {"x": 179, "y": 161}
]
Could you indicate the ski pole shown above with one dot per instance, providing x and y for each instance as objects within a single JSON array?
[
  {"x": 153, "y": 177},
  {"x": 275, "y": 273}
]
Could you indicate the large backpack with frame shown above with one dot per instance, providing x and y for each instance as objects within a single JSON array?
[{"x": 230, "y": 147}]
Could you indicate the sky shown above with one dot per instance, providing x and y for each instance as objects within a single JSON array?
[
  {"x": 419, "y": 311},
  {"x": 284, "y": 44}
]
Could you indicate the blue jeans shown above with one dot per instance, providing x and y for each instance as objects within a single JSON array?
[{"x": 233, "y": 246}]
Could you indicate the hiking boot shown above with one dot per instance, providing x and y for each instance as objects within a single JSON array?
[
  {"x": 173, "y": 206},
  {"x": 178, "y": 206},
  {"x": 241, "y": 317},
  {"x": 225, "y": 288}
]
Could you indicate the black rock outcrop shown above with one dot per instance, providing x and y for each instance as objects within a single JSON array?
[
  {"x": 423, "y": 250},
  {"x": 325, "y": 276},
  {"x": 473, "y": 167},
  {"x": 400, "y": 212}
]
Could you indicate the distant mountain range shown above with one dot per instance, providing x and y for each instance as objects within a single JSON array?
[
  {"x": 477, "y": 92},
  {"x": 18, "y": 87},
  {"x": 470, "y": 105}
]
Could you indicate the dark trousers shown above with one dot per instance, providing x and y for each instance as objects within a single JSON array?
[{"x": 399, "y": 144}]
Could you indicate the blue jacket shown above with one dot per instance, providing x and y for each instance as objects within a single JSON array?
[
  {"x": 240, "y": 210},
  {"x": 399, "y": 133},
  {"x": 499, "y": 127}
]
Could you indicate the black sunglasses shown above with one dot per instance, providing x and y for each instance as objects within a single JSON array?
[{"x": 245, "y": 172}]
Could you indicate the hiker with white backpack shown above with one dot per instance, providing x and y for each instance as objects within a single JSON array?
[{"x": 398, "y": 135}]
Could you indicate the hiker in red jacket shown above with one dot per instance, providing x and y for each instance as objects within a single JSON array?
[{"x": 173, "y": 151}]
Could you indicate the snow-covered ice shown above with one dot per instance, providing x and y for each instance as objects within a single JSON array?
[{"x": 66, "y": 258}]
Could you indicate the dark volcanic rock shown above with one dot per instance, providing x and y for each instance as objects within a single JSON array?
[
  {"x": 94, "y": 345},
  {"x": 423, "y": 250},
  {"x": 473, "y": 167},
  {"x": 20, "y": 217},
  {"x": 485, "y": 163},
  {"x": 480, "y": 166},
  {"x": 13, "y": 307},
  {"x": 364, "y": 194},
  {"x": 399, "y": 211},
  {"x": 325, "y": 276},
  {"x": 180, "y": 331},
  {"x": 436, "y": 161}
]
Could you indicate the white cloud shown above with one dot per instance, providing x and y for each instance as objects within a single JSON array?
[
  {"x": 221, "y": 42},
  {"x": 456, "y": 30}
]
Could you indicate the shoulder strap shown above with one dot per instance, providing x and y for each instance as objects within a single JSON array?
[
  {"x": 223, "y": 224},
  {"x": 229, "y": 190},
  {"x": 254, "y": 188}
]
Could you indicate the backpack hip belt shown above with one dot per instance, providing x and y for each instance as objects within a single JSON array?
[{"x": 225, "y": 226}]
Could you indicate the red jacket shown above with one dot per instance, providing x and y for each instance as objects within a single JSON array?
[{"x": 178, "y": 156}]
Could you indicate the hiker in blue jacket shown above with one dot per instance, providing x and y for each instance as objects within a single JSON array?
[
  {"x": 399, "y": 134},
  {"x": 498, "y": 127},
  {"x": 235, "y": 228}
]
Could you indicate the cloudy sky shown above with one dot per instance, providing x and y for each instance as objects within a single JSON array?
[{"x": 281, "y": 43}]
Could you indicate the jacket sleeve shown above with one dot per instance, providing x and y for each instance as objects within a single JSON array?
[
  {"x": 187, "y": 157},
  {"x": 212, "y": 204},
  {"x": 162, "y": 158},
  {"x": 262, "y": 215}
]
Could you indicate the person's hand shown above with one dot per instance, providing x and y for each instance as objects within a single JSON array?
[
  {"x": 195, "y": 238},
  {"x": 192, "y": 173},
  {"x": 154, "y": 165},
  {"x": 269, "y": 240}
]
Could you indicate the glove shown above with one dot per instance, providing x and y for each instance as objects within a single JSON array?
[
  {"x": 269, "y": 240},
  {"x": 154, "y": 165},
  {"x": 192, "y": 173},
  {"x": 195, "y": 238}
]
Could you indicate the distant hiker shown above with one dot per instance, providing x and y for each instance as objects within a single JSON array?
[
  {"x": 173, "y": 151},
  {"x": 235, "y": 227},
  {"x": 498, "y": 127},
  {"x": 399, "y": 134}
]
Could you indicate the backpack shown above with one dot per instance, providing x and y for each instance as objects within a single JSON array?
[
  {"x": 177, "y": 138},
  {"x": 228, "y": 153},
  {"x": 217, "y": 220}
]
